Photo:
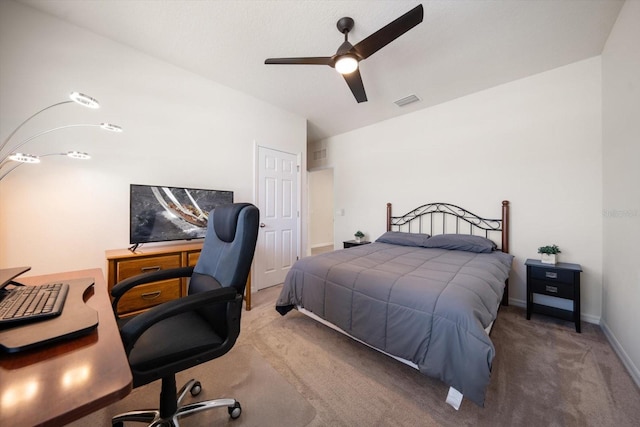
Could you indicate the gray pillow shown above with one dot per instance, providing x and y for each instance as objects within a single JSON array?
[
  {"x": 460, "y": 242},
  {"x": 404, "y": 239}
]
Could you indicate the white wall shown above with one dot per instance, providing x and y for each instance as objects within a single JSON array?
[
  {"x": 535, "y": 142},
  {"x": 621, "y": 202},
  {"x": 179, "y": 129}
]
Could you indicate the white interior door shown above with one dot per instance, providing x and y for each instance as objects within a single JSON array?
[{"x": 277, "y": 247}]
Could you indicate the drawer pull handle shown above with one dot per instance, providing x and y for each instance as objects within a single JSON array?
[
  {"x": 551, "y": 289},
  {"x": 550, "y": 275},
  {"x": 149, "y": 269},
  {"x": 151, "y": 295}
]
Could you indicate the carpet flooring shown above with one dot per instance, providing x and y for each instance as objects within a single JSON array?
[{"x": 293, "y": 371}]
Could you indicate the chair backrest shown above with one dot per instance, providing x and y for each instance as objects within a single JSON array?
[{"x": 228, "y": 249}]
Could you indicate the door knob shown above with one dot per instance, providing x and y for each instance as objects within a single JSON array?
[{"x": 262, "y": 225}]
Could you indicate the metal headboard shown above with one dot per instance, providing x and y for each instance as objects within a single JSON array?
[{"x": 441, "y": 218}]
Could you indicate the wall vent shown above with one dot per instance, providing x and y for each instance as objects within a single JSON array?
[
  {"x": 407, "y": 100},
  {"x": 320, "y": 154}
]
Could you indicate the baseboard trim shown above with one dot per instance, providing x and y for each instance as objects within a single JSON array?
[
  {"x": 518, "y": 303},
  {"x": 321, "y": 245},
  {"x": 626, "y": 360},
  {"x": 596, "y": 320}
]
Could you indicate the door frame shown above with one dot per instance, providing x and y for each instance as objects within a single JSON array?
[{"x": 256, "y": 195}]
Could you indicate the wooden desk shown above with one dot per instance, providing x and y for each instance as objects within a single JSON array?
[{"x": 62, "y": 382}]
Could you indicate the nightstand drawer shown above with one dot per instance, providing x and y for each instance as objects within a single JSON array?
[
  {"x": 554, "y": 289},
  {"x": 552, "y": 274}
]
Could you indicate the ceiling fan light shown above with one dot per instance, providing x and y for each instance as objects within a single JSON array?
[
  {"x": 24, "y": 158},
  {"x": 346, "y": 64}
]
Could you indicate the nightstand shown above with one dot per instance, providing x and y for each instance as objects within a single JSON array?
[
  {"x": 352, "y": 243},
  {"x": 561, "y": 280}
]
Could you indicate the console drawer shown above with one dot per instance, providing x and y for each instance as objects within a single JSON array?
[
  {"x": 554, "y": 289},
  {"x": 133, "y": 267},
  {"x": 146, "y": 296},
  {"x": 192, "y": 258},
  {"x": 552, "y": 274}
]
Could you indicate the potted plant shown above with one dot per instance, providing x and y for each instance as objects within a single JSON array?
[
  {"x": 359, "y": 235},
  {"x": 548, "y": 253}
]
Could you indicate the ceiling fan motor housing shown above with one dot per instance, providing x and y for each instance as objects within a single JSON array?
[{"x": 345, "y": 25}]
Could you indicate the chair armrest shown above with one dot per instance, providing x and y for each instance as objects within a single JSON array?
[
  {"x": 119, "y": 289},
  {"x": 135, "y": 327}
]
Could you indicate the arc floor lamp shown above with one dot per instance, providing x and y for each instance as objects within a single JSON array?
[{"x": 10, "y": 158}]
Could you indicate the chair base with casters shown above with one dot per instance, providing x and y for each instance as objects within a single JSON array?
[{"x": 156, "y": 417}]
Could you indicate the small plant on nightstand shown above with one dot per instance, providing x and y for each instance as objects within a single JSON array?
[
  {"x": 359, "y": 235},
  {"x": 548, "y": 253}
]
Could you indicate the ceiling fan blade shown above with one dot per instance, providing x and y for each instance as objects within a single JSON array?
[
  {"x": 389, "y": 32},
  {"x": 354, "y": 81},
  {"x": 320, "y": 60}
]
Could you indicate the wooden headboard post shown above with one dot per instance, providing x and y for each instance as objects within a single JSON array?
[
  {"x": 505, "y": 246},
  {"x": 505, "y": 226}
]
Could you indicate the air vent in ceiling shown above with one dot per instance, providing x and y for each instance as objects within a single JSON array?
[{"x": 407, "y": 100}]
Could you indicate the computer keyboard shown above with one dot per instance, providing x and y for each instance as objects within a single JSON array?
[{"x": 30, "y": 303}]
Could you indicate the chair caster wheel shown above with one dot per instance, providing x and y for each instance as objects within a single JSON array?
[
  {"x": 196, "y": 388},
  {"x": 235, "y": 410}
]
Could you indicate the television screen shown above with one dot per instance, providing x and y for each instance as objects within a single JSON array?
[{"x": 158, "y": 214}]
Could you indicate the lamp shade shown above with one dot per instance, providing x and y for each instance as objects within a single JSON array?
[
  {"x": 24, "y": 158},
  {"x": 111, "y": 127},
  {"x": 84, "y": 100},
  {"x": 78, "y": 155}
]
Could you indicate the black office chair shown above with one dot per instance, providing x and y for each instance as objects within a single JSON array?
[{"x": 201, "y": 326}]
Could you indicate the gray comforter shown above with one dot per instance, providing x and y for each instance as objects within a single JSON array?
[{"x": 428, "y": 306}]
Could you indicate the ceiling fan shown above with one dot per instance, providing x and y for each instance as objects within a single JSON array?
[{"x": 346, "y": 59}]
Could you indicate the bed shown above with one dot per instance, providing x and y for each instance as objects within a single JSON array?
[{"x": 426, "y": 292}]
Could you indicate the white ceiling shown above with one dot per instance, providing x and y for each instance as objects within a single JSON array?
[{"x": 461, "y": 47}]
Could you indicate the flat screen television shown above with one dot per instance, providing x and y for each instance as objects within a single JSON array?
[{"x": 160, "y": 214}]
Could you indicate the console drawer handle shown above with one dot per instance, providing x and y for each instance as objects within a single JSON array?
[
  {"x": 550, "y": 275},
  {"x": 151, "y": 295},
  {"x": 551, "y": 289},
  {"x": 148, "y": 269}
]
